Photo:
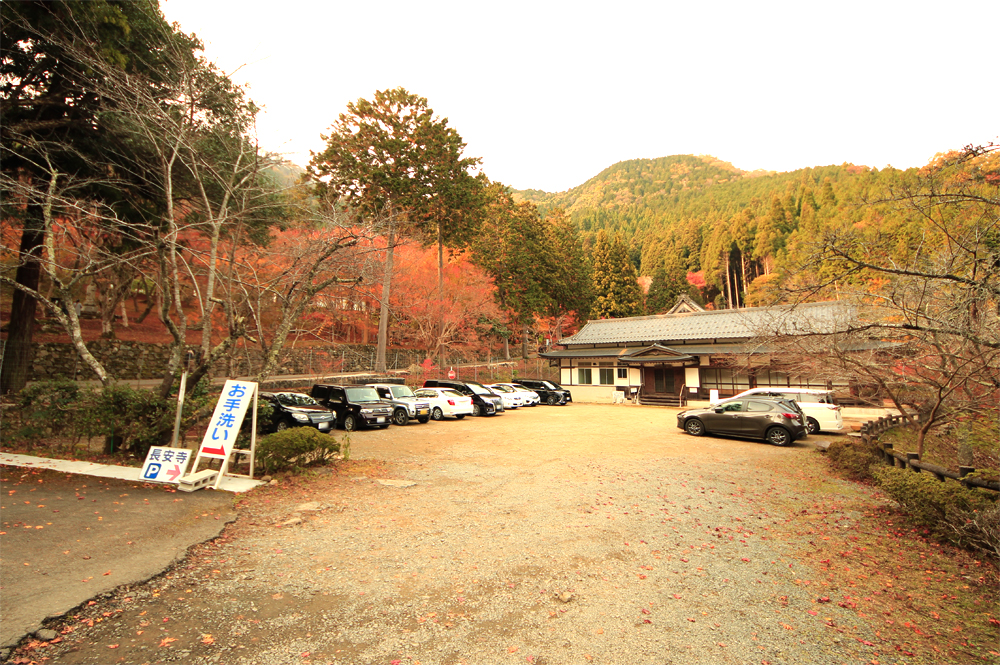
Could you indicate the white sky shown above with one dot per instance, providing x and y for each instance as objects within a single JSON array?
[{"x": 549, "y": 94}]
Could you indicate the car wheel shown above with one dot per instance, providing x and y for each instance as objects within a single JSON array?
[
  {"x": 399, "y": 417},
  {"x": 460, "y": 416},
  {"x": 437, "y": 413},
  {"x": 778, "y": 436},
  {"x": 282, "y": 426},
  {"x": 552, "y": 400},
  {"x": 350, "y": 423},
  {"x": 477, "y": 410},
  {"x": 694, "y": 427},
  {"x": 813, "y": 425},
  {"x": 424, "y": 419},
  {"x": 383, "y": 426}
]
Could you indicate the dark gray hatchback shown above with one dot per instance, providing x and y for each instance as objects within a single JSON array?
[{"x": 776, "y": 421}]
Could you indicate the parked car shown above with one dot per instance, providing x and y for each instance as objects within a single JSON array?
[
  {"x": 528, "y": 397},
  {"x": 404, "y": 404},
  {"x": 355, "y": 406},
  {"x": 531, "y": 398},
  {"x": 548, "y": 392},
  {"x": 485, "y": 402},
  {"x": 821, "y": 410},
  {"x": 777, "y": 421},
  {"x": 511, "y": 398},
  {"x": 296, "y": 410},
  {"x": 446, "y": 402}
]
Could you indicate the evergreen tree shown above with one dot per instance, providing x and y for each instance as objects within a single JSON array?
[
  {"x": 668, "y": 282},
  {"x": 616, "y": 286},
  {"x": 571, "y": 289}
]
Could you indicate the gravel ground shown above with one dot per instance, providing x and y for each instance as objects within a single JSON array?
[{"x": 578, "y": 534}]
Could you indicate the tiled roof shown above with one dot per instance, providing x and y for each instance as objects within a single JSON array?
[{"x": 821, "y": 317}]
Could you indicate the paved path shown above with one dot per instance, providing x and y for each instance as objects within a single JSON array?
[
  {"x": 229, "y": 483},
  {"x": 66, "y": 538}
]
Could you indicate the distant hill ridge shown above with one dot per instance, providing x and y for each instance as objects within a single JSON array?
[{"x": 642, "y": 195}]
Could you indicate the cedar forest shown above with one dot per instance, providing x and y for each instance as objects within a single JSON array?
[{"x": 130, "y": 171}]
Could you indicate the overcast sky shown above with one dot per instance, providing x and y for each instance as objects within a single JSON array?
[{"x": 549, "y": 94}]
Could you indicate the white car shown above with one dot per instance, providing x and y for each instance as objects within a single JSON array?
[
  {"x": 818, "y": 406},
  {"x": 511, "y": 398},
  {"x": 528, "y": 397},
  {"x": 445, "y": 402}
]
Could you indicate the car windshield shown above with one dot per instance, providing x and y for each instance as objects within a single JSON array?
[
  {"x": 426, "y": 392},
  {"x": 452, "y": 393},
  {"x": 502, "y": 389},
  {"x": 550, "y": 386},
  {"x": 401, "y": 391},
  {"x": 295, "y": 399},
  {"x": 362, "y": 394},
  {"x": 518, "y": 386},
  {"x": 479, "y": 390}
]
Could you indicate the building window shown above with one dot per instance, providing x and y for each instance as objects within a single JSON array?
[
  {"x": 584, "y": 376},
  {"x": 623, "y": 372},
  {"x": 607, "y": 376},
  {"x": 771, "y": 378},
  {"x": 726, "y": 381}
]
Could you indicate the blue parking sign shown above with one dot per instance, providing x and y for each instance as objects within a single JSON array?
[{"x": 164, "y": 464}]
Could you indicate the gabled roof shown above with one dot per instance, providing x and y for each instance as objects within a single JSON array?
[
  {"x": 665, "y": 329},
  {"x": 684, "y": 304},
  {"x": 654, "y": 354}
]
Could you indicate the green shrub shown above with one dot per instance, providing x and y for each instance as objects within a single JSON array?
[
  {"x": 127, "y": 417},
  {"x": 45, "y": 409},
  {"x": 855, "y": 458},
  {"x": 962, "y": 515},
  {"x": 298, "y": 447},
  {"x": 130, "y": 417}
]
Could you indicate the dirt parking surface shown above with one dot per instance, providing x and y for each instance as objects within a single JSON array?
[{"x": 577, "y": 534}]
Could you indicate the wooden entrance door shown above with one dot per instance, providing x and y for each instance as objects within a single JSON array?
[{"x": 663, "y": 380}]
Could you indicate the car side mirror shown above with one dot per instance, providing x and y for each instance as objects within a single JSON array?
[{"x": 718, "y": 409}]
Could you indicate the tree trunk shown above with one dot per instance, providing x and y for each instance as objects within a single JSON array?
[
  {"x": 383, "y": 318},
  {"x": 440, "y": 294},
  {"x": 524, "y": 342},
  {"x": 17, "y": 349},
  {"x": 729, "y": 283}
]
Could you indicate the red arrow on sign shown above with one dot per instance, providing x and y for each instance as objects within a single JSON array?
[{"x": 174, "y": 472}]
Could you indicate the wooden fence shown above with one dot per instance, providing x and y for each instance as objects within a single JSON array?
[{"x": 870, "y": 432}]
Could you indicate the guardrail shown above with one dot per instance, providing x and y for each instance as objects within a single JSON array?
[{"x": 871, "y": 430}]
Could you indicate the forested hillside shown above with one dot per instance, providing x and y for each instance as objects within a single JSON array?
[{"x": 697, "y": 214}]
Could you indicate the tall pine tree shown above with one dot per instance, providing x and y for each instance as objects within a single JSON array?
[{"x": 616, "y": 285}]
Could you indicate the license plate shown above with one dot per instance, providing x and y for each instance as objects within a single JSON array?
[
  {"x": 423, "y": 412},
  {"x": 324, "y": 425},
  {"x": 380, "y": 419}
]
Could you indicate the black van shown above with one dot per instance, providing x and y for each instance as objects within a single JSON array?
[
  {"x": 548, "y": 392},
  {"x": 485, "y": 402}
]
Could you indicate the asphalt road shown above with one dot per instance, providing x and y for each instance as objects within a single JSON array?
[{"x": 67, "y": 538}]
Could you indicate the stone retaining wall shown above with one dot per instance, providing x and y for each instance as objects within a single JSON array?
[{"x": 137, "y": 360}]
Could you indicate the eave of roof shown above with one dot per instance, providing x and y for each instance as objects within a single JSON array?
[{"x": 822, "y": 317}]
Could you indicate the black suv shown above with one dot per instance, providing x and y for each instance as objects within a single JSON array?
[
  {"x": 548, "y": 392},
  {"x": 485, "y": 402},
  {"x": 296, "y": 410},
  {"x": 355, "y": 406}
]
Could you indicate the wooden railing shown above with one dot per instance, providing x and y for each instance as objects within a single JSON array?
[{"x": 870, "y": 432}]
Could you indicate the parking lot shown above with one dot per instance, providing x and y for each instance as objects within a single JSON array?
[{"x": 575, "y": 534}]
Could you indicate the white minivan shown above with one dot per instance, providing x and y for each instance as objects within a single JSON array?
[{"x": 819, "y": 407}]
